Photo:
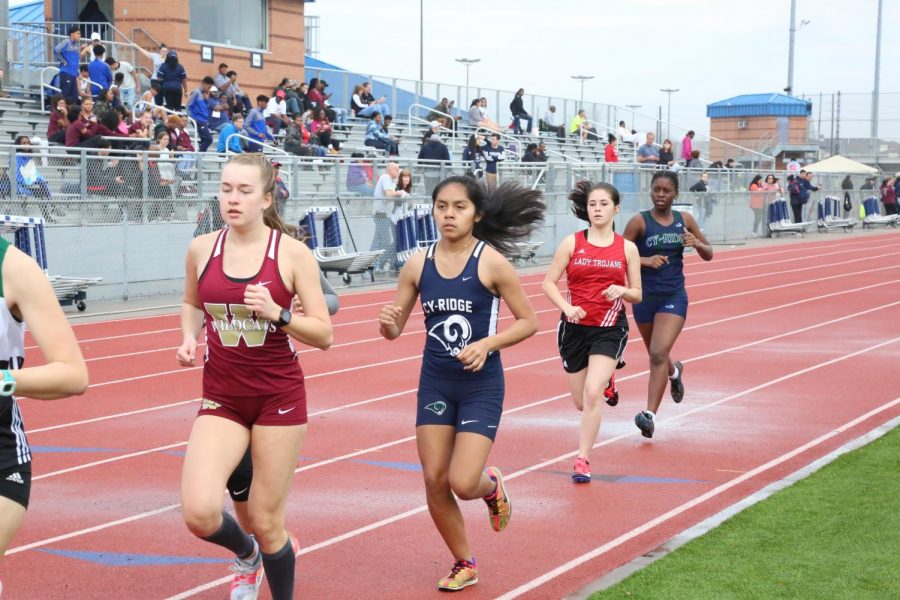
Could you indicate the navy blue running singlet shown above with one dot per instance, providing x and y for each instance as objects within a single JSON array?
[
  {"x": 668, "y": 241},
  {"x": 458, "y": 312}
]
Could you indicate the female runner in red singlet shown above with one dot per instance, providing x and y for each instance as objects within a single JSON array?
[
  {"x": 240, "y": 281},
  {"x": 593, "y": 329}
]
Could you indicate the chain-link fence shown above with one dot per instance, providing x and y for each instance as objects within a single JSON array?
[{"x": 128, "y": 216}]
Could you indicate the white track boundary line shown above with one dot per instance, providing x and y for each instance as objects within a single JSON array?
[
  {"x": 652, "y": 524},
  {"x": 421, "y": 509}
]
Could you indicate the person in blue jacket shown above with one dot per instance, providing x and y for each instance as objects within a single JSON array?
[
  {"x": 99, "y": 71},
  {"x": 234, "y": 144},
  {"x": 66, "y": 52},
  {"x": 198, "y": 109}
]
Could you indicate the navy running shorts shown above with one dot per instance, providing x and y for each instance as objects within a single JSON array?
[
  {"x": 472, "y": 405},
  {"x": 675, "y": 303},
  {"x": 578, "y": 342},
  {"x": 15, "y": 483}
]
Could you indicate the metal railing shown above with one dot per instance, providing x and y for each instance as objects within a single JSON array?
[
  {"x": 45, "y": 85},
  {"x": 192, "y": 124},
  {"x": 411, "y": 118},
  {"x": 256, "y": 141}
]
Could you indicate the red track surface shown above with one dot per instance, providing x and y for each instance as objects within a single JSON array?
[{"x": 775, "y": 343}]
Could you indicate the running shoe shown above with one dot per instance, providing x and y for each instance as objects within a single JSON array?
[
  {"x": 499, "y": 506},
  {"x": 611, "y": 393},
  {"x": 644, "y": 422},
  {"x": 463, "y": 574},
  {"x": 676, "y": 387},
  {"x": 248, "y": 576},
  {"x": 582, "y": 472}
]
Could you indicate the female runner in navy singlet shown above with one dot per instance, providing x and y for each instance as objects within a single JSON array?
[
  {"x": 461, "y": 280},
  {"x": 26, "y": 296},
  {"x": 240, "y": 282},
  {"x": 661, "y": 235},
  {"x": 603, "y": 270}
]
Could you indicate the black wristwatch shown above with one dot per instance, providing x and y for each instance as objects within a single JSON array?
[{"x": 284, "y": 318}]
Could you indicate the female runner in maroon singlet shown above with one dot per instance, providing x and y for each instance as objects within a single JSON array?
[
  {"x": 240, "y": 281},
  {"x": 603, "y": 271}
]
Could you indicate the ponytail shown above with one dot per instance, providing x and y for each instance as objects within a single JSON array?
[
  {"x": 508, "y": 214},
  {"x": 582, "y": 191},
  {"x": 271, "y": 218}
]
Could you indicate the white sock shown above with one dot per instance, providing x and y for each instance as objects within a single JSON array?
[
  {"x": 675, "y": 374},
  {"x": 650, "y": 413}
]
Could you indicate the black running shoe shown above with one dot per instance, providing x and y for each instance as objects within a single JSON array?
[
  {"x": 620, "y": 364},
  {"x": 644, "y": 422},
  {"x": 676, "y": 387}
]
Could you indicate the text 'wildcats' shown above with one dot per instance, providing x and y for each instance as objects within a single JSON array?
[{"x": 236, "y": 321}]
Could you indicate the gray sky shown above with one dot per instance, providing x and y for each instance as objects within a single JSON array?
[{"x": 709, "y": 49}]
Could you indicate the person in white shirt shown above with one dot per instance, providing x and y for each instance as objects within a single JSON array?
[
  {"x": 276, "y": 113},
  {"x": 630, "y": 137},
  {"x": 129, "y": 89},
  {"x": 553, "y": 122},
  {"x": 385, "y": 196}
]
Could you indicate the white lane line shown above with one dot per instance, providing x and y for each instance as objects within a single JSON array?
[
  {"x": 652, "y": 524},
  {"x": 421, "y": 509}
]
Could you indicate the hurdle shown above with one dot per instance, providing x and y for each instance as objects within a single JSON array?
[
  {"x": 328, "y": 246},
  {"x": 873, "y": 218},
  {"x": 780, "y": 223},
  {"x": 416, "y": 230},
  {"x": 28, "y": 235},
  {"x": 829, "y": 216}
]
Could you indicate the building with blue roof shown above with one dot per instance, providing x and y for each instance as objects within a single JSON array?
[{"x": 772, "y": 124}]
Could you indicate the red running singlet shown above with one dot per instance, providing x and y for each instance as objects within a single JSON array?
[
  {"x": 591, "y": 270},
  {"x": 246, "y": 356}
]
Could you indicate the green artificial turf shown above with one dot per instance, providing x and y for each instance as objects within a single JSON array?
[{"x": 835, "y": 534}]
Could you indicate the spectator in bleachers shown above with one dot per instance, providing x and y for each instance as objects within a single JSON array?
[
  {"x": 433, "y": 149},
  {"x": 487, "y": 122},
  {"x": 85, "y": 89},
  {"x": 179, "y": 140},
  {"x": 122, "y": 128},
  {"x": 493, "y": 155},
  {"x": 66, "y": 52},
  {"x": 687, "y": 147},
  {"x": 611, "y": 152},
  {"x": 297, "y": 139},
  {"x": 666, "y": 154},
  {"x": 534, "y": 153},
  {"x": 156, "y": 58},
  {"x": 628, "y": 135},
  {"x": 387, "y": 197},
  {"x": 29, "y": 182},
  {"x": 473, "y": 156},
  {"x": 365, "y": 105},
  {"x": 579, "y": 127},
  {"x": 234, "y": 144},
  {"x": 340, "y": 114},
  {"x": 198, "y": 109},
  {"x": 219, "y": 115},
  {"x": 161, "y": 177},
  {"x": 86, "y": 52},
  {"x": 648, "y": 154},
  {"x": 377, "y": 138},
  {"x": 440, "y": 114},
  {"x": 405, "y": 182},
  {"x": 475, "y": 116},
  {"x": 694, "y": 163},
  {"x": 142, "y": 128},
  {"x": 114, "y": 177},
  {"x": 281, "y": 190},
  {"x": 517, "y": 108},
  {"x": 59, "y": 120},
  {"x": 86, "y": 130},
  {"x": 255, "y": 124},
  {"x": 226, "y": 81},
  {"x": 302, "y": 98},
  {"x": 173, "y": 80},
  {"x": 276, "y": 113},
  {"x": 317, "y": 98},
  {"x": 321, "y": 127},
  {"x": 290, "y": 96},
  {"x": 99, "y": 71},
  {"x": 102, "y": 104},
  {"x": 552, "y": 122},
  {"x": 360, "y": 179},
  {"x": 388, "y": 120},
  {"x": 115, "y": 98},
  {"x": 129, "y": 88}
]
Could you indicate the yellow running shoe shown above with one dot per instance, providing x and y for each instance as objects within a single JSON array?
[
  {"x": 499, "y": 505},
  {"x": 463, "y": 574}
]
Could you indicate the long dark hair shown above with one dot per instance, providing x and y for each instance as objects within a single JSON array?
[
  {"x": 508, "y": 214},
  {"x": 756, "y": 179},
  {"x": 582, "y": 190}
]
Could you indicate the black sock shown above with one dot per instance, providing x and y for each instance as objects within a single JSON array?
[
  {"x": 280, "y": 572},
  {"x": 231, "y": 536}
]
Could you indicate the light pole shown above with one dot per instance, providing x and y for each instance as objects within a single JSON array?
[
  {"x": 876, "y": 89},
  {"x": 794, "y": 29},
  {"x": 468, "y": 62},
  {"x": 669, "y": 91},
  {"x": 582, "y": 79},
  {"x": 632, "y": 107}
]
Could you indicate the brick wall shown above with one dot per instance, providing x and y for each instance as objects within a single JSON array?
[{"x": 168, "y": 21}]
